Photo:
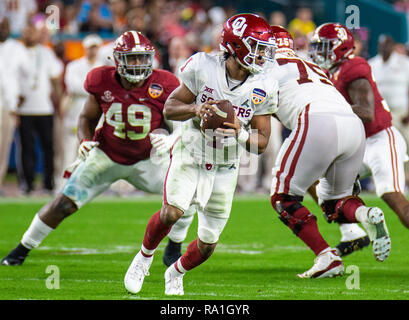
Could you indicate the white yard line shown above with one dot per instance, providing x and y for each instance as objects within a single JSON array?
[{"x": 245, "y": 249}]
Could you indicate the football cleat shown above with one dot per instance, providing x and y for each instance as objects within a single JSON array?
[
  {"x": 13, "y": 261},
  {"x": 373, "y": 220},
  {"x": 136, "y": 273},
  {"x": 16, "y": 257},
  {"x": 172, "y": 253},
  {"x": 327, "y": 264},
  {"x": 345, "y": 248},
  {"x": 173, "y": 284}
]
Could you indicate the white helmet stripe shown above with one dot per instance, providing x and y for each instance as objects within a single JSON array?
[{"x": 136, "y": 37}]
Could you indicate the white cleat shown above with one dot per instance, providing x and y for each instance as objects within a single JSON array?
[
  {"x": 327, "y": 264},
  {"x": 373, "y": 220},
  {"x": 136, "y": 273},
  {"x": 173, "y": 284}
]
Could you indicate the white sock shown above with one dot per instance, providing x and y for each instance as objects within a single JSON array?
[
  {"x": 325, "y": 251},
  {"x": 351, "y": 231},
  {"x": 180, "y": 271},
  {"x": 146, "y": 253},
  {"x": 35, "y": 234}
]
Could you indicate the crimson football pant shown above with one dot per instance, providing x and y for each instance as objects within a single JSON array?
[{"x": 31, "y": 127}]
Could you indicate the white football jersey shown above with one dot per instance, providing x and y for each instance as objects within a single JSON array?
[
  {"x": 303, "y": 83},
  {"x": 205, "y": 76}
]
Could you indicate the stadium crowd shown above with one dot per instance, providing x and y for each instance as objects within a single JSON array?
[{"x": 41, "y": 77}]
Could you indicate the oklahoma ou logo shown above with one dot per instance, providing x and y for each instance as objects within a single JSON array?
[{"x": 239, "y": 26}]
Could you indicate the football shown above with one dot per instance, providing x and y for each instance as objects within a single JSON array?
[{"x": 224, "y": 113}]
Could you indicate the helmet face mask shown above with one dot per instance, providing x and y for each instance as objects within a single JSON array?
[
  {"x": 259, "y": 53},
  {"x": 134, "y": 66},
  {"x": 322, "y": 53},
  {"x": 134, "y": 56}
]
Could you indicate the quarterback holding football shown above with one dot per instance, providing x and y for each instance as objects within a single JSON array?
[{"x": 202, "y": 170}]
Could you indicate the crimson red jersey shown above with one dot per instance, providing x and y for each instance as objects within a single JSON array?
[
  {"x": 356, "y": 68},
  {"x": 129, "y": 115}
]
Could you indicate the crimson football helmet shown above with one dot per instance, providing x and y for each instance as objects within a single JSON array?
[
  {"x": 133, "y": 54},
  {"x": 330, "y": 43},
  {"x": 283, "y": 37},
  {"x": 247, "y": 37}
]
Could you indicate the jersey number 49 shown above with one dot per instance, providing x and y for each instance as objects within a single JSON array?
[{"x": 114, "y": 118}]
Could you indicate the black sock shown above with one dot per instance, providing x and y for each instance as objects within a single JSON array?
[
  {"x": 174, "y": 245},
  {"x": 20, "y": 251}
]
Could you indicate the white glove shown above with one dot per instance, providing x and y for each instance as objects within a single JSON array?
[
  {"x": 162, "y": 142},
  {"x": 85, "y": 147},
  {"x": 69, "y": 170}
]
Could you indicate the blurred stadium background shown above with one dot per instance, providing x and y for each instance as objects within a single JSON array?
[{"x": 178, "y": 28}]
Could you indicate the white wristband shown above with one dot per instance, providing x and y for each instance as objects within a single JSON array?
[{"x": 243, "y": 136}]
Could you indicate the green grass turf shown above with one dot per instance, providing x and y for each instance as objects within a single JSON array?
[{"x": 257, "y": 257}]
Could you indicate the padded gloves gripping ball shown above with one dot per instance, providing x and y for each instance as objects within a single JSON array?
[{"x": 224, "y": 113}]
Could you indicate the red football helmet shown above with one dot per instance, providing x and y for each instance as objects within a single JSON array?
[
  {"x": 330, "y": 43},
  {"x": 133, "y": 54},
  {"x": 247, "y": 37},
  {"x": 283, "y": 37}
]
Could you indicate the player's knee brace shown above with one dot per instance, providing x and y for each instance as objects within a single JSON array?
[
  {"x": 333, "y": 209},
  {"x": 291, "y": 212}
]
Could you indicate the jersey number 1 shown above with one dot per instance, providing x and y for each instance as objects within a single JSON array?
[{"x": 114, "y": 118}]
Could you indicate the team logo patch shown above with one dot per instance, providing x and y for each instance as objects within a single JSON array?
[
  {"x": 258, "y": 96},
  {"x": 107, "y": 97},
  {"x": 155, "y": 90}
]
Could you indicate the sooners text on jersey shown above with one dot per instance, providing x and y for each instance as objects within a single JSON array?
[
  {"x": 356, "y": 68},
  {"x": 129, "y": 115}
]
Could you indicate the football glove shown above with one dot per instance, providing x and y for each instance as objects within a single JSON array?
[
  {"x": 70, "y": 169},
  {"x": 162, "y": 142},
  {"x": 85, "y": 147}
]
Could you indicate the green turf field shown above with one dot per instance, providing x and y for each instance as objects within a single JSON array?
[{"x": 257, "y": 257}]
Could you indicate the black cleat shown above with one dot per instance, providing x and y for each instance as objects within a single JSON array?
[
  {"x": 16, "y": 257},
  {"x": 172, "y": 253},
  {"x": 347, "y": 247}
]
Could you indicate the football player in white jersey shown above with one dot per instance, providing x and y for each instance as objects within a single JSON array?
[
  {"x": 198, "y": 172},
  {"x": 327, "y": 143}
]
